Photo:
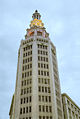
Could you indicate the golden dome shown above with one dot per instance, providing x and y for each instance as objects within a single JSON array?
[{"x": 36, "y": 22}]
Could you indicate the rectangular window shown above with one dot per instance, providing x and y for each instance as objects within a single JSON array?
[
  {"x": 25, "y": 91},
  {"x": 43, "y": 117},
  {"x": 38, "y": 72},
  {"x": 21, "y": 91},
  {"x": 47, "y": 73},
  {"x": 39, "y": 98},
  {"x": 39, "y": 88},
  {"x": 43, "y": 98},
  {"x": 22, "y": 83},
  {"x": 22, "y": 75},
  {"x": 39, "y": 65},
  {"x": 23, "y": 110},
  {"x": 49, "y": 98},
  {"x": 46, "y": 108},
  {"x": 24, "y": 100},
  {"x": 39, "y": 108},
  {"x": 27, "y": 99},
  {"x": 26, "y": 109},
  {"x": 30, "y": 65},
  {"x": 24, "y": 49},
  {"x": 46, "y": 89},
  {"x": 49, "y": 90},
  {"x": 42, "y": 89},
  {"x": 46, "y": 98},
  {"x": 41, "y": 72},
  {"x": 39, "y": 58},
  {"x": 30, "y": 109},
  {"x": 47, "y": 66},
  {"x": 30, "y": 89},
  {"x": 44, "y": 73},
  {"x": 43, "y": 108},
  {"x": 50, "y": 109},
  {"x": 39, "y": 117},
  {"x": 20, "y": 110},
  {"x": 30, "y": 99},
  {"x": 21, "y": 100}
]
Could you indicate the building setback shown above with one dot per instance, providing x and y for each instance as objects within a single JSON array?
[
  {"x": 70, "y": 109},
  {"x": 37, "y": 91}
]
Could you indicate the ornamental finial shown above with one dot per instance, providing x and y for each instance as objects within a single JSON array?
[{"x": 36, "y": 15}]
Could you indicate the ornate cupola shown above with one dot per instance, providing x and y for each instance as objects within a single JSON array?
[
  {"x": 36, "y": 15},
  {"x": 36, "y": 20}
]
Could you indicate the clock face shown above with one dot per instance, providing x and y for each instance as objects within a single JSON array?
[{"x": 36, "y": 22}]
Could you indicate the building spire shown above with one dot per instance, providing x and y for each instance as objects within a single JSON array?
[{"x": 36, "y": 15}]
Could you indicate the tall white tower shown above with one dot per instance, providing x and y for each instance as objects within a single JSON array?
[{"x": 37, "y": 92}]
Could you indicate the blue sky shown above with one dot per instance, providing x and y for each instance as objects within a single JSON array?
[{"x": 62, "y": 21}]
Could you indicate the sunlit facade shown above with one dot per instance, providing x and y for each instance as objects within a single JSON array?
[{"x": 37, "y": 92}]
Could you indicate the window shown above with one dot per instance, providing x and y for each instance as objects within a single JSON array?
[
  {"x": 41, "y": 72},
  {"x": 30, "y": 99},
  {"x": 47, "y": 73},
  {"x": 39, "y": 98},
  {"x": 39, "y": 108},
  {"x": 22, "y": 83},
  {"x": 27, "y": 99},
  {"x": 42, "y": 89},
  {"x": 39, "y": 89},
  {"x": 47, "y": 66},
  {"x": 20, "y": 110},
  {"x": 30, "y": 89},
  {"x": 24, "y": 100},
  {"x": 46, "y": 89},
  {"x": 25, "y": 82},
  {"x": 43, "y": 109},
  {"x": 39, "y": 80},
  {"x": 21, "y": 91},
  {"x": 39, "y": 58},
  {"x": 38, "y": 72},
  {"x": 23, "y": 110},
  {"x": 47, "y": 117},
  {"x": 25, "y": 91},
  {"x": 44, "y": 73},
  {"x": 39, "y": 117},
  {"x": 43, "y": 117},
  {"x": 46, "y": 108},
  {"x": 22, "y": 75},
  {"x": 30, "y": 109},
  {"x": 50, "y": 117},
  {"x": 43, "y": 98},
  {"x": 50, "y": 109},
  {"x": 26, "y": 109},
  {"x": 46, "y": 98},
  {"x": 49, "y": 90},
  {"x": 49, "y": 98},
  {"x": 29, "y": 117},
  {"x": 39, "y": 33},
  {"x": 39, "y": 65},
  {"x": 21, "y": 101}
]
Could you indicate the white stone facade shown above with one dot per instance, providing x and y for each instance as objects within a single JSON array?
[{"x": 37, "y": 92}]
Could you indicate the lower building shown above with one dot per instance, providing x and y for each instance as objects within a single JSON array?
[{"x": 70, "y": 109}]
